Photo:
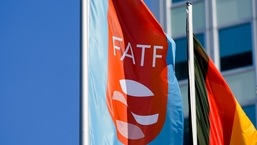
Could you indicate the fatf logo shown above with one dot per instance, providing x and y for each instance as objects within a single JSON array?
[{"x": 133, "y": 89}]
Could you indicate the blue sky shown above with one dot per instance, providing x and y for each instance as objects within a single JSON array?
[{"x": 39, "y": 72}]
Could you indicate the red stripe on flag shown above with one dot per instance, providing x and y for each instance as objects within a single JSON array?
[{"x": 222, "y": 107}]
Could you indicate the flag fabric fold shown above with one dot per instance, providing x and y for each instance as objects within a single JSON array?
[
  {"x": 220, "y": 118},
  {"x": 134, "y": 96}
]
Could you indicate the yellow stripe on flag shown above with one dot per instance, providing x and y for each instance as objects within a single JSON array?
[{"x": 244, "y": 132}]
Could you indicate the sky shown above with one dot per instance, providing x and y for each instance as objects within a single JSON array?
[{"x": 39, "y": 72}]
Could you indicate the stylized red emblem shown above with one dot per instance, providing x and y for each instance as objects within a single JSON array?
[
  {"x": 137, "y": 87},
  {"x": 133, "y": 89},
  {"x": 136, "y": 112}
]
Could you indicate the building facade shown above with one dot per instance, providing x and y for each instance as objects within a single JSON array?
[{"x": 228, "y": 31}]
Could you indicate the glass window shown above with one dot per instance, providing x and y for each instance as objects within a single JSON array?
[
  {"x": 175, "y": 1},
  {"x": 153, "y": 5},
  {"x": 187, "y": 132},
  {"x": 178, "y": 19},
  {"x": 235, "y": 46},
  {"x": 181, "y": 56},
  {"x": 231, "y": 11},
  {"x": 250, "y": 111}
]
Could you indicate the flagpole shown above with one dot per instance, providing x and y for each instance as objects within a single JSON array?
[
  {"x": 191, "y": 73},
  {"x": 168, "y": 17},
  {"x": 84, "y": 133}
]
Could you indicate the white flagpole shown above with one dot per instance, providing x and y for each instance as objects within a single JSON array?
[
  {"x": 84, "y": 74},
  {"x": 191, "y": 71},
  {"x": 168, "y": 17}
]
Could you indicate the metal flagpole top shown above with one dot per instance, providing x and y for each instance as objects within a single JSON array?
[{"x": 188, "y": 3}]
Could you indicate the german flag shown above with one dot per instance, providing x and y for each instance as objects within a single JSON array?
[{"x": 220, "y": 118}]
